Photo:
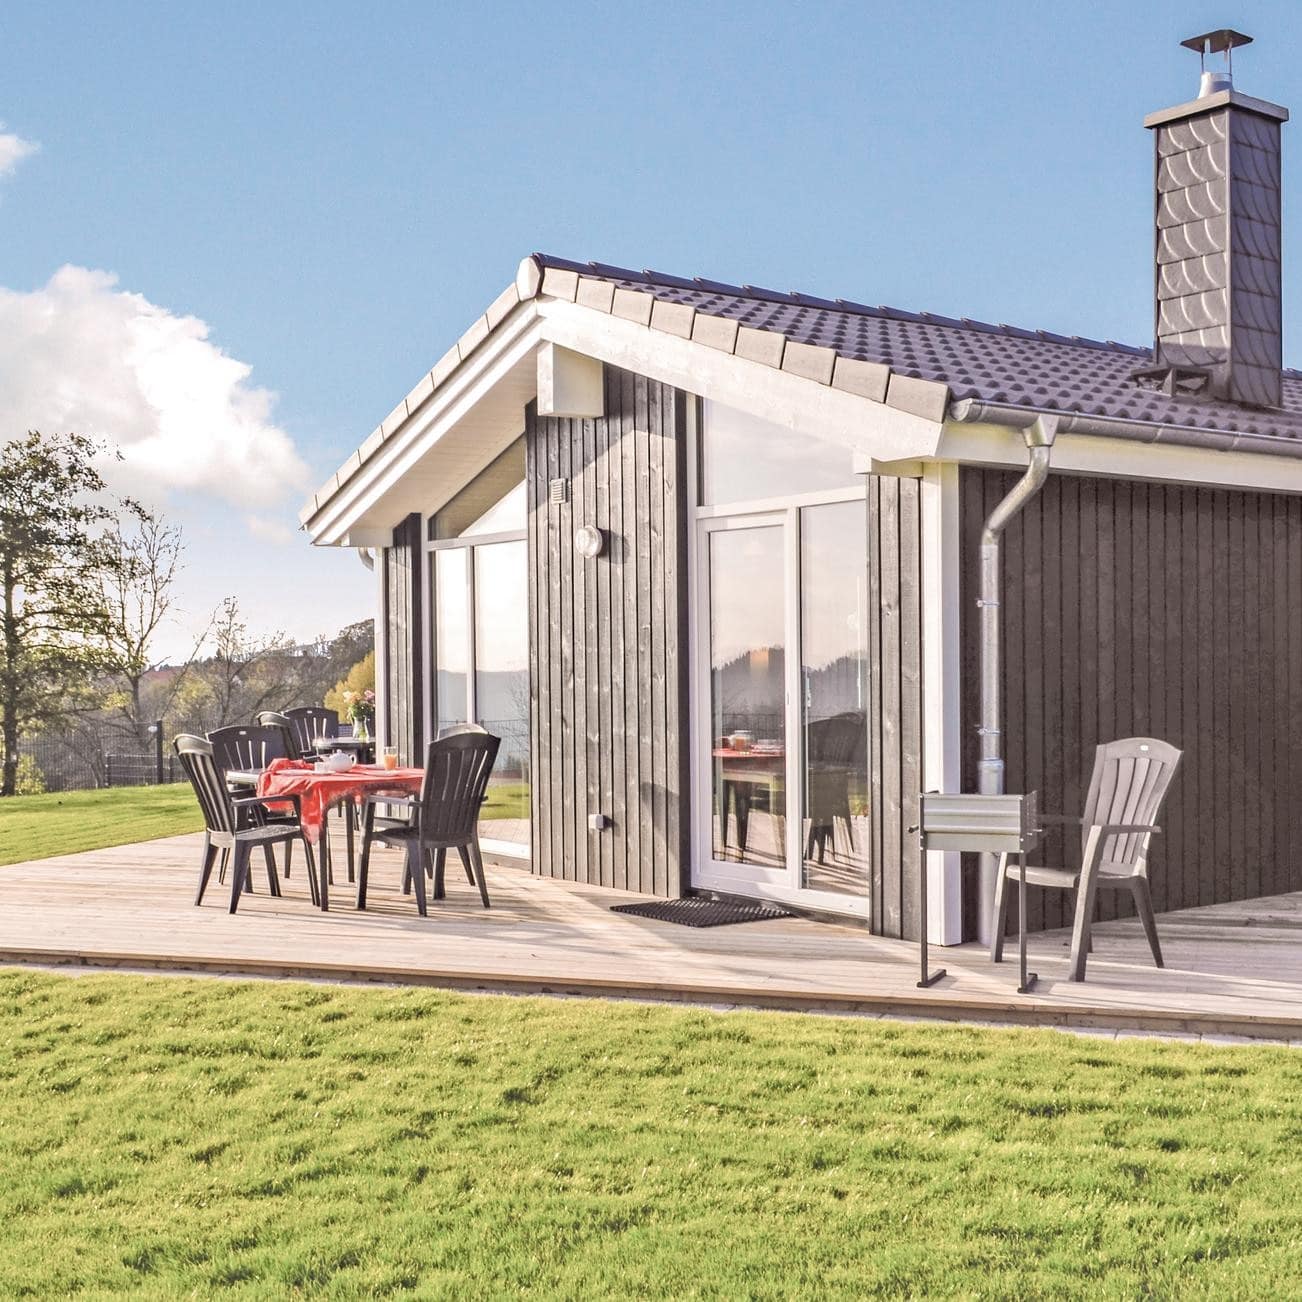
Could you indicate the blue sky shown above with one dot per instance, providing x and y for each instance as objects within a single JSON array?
[{"x": 336, "y": 190}]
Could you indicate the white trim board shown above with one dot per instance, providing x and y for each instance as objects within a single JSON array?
[{"x": 941, "y": 684}]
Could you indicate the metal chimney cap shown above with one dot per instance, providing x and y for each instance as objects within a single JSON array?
[{"x": 1219, "y": 42}]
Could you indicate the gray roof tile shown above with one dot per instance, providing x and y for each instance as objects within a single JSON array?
[{"x": 993, "y": 363}]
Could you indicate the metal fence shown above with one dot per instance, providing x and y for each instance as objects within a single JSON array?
[{"x": 93, "y": 755}]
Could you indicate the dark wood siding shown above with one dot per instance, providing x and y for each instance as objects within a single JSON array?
[
  {"x": 895, "y": 701},
  {"x": 608, "y": 660},
  {"x": 403, "y": 672},
  {"x": 1138, "y": 609}
]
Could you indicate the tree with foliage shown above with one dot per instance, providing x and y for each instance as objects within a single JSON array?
[
  {"x": 359, "y": 680},
  {"x": 51, "y": 595}
]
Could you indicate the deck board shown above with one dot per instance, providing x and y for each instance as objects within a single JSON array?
[{"x": 1232, "y": 968}]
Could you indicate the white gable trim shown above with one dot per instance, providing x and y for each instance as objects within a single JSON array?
[
  {"x": 375, "y": 470},
  {"x": 802, "y": 404}
]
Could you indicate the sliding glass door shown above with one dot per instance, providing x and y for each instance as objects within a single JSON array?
[{"x": 782, "y": 679}]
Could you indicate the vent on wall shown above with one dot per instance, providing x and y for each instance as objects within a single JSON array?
[{"x": 560, "y": 492}]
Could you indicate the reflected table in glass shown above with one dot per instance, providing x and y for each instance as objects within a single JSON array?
[{"x": 742, "y": 773}]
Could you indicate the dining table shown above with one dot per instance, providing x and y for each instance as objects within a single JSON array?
[{"x": 319, "y": 792}]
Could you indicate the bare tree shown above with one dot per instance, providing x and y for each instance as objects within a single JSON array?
[
  {"x": 142, "y": 562},
  {"x": 247, "y": 672}
]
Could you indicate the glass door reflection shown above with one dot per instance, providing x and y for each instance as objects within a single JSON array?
[
  {"x": 747, "y": 629},
  {"x": 834, "y": 696}
]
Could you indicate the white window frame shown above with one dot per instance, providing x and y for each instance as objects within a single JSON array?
[{"x": 468, "y": 543}]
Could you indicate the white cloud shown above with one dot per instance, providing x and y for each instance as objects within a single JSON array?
[
  {"x": 81, "y": 354},
  {"x": 270, "y": 530},
  {"x": 13, "y": 149}
]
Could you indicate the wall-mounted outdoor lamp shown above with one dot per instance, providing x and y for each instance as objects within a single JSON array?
[{"x": 589, "y": 541}]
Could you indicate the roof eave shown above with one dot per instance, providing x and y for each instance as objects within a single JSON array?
[{"x": 977, "y": 411}]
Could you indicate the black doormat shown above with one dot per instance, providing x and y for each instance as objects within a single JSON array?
[{"x": 696, "y": 911}]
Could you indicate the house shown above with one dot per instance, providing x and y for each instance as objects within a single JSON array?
[{"x": 706, "y": 556}]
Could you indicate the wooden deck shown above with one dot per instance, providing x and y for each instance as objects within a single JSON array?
[{"x": 1232, "y": 969}]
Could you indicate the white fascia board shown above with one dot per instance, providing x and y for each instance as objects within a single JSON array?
[
  {"x": 799, "y": 404},
  {"x": 513, "y": 340},
  {"x": 1118, "y": 458}
]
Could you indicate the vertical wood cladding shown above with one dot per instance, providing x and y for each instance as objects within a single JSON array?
[
  {"x": 1136, "y": 609},
  {"x": 895, "y": 702},
  {"x": 404, "y": 675},
  {"x": 608, "y": 658}
]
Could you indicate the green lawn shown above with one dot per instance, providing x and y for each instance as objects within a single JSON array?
[
  {"x": 178, "y": 1136},
  {"x": 36, "y": 827},
  {"x": 507, "y": 800}
]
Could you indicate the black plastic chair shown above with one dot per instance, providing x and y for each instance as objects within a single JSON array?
[
  {"x": 230, "y": 824},
  {"x": 312, "y": 725},
  {"x": 274, "y": 719},
  {"x": 445, "y": 816},
  {"x": 249, "y": 746},
  {"x": 252, "y": 746}
]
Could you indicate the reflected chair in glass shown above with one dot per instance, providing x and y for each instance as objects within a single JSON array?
[
  {"x": 232, "y": 825},
  {"x": 836, "y": 749},
  {"x": 445, "y": 816}
]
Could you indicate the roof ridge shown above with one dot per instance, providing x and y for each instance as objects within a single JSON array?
[{"x": 607, "y": 271}]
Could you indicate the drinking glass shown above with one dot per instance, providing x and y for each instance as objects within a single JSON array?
[{"x": 390, "y": 757}]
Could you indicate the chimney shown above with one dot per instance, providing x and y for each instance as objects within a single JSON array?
[{"x": 1218, "y": 309}]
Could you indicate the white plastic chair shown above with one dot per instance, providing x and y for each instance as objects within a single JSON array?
[{"x": 1126, "y": 791}]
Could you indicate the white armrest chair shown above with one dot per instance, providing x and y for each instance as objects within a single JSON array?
[{"x": 1130, "y": 782}]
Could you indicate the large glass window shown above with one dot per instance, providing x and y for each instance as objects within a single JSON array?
[
  {"x": 502, "y": 682},
  {"x": 451, "y": 638},
  {"x": 480, "y": 631},
  {"x": 745, "y": 459},
  {"x": 493, "y": 502}
]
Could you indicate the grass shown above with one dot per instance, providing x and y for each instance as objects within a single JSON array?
[
  {"x": 66, "y": 822},
  {"x": 38, "y": 827},
  {"x": 507, "y": 800},
  {"x": 178, "y": 1137}
]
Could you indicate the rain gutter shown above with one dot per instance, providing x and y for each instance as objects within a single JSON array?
[{"x": 974, "y": 410}]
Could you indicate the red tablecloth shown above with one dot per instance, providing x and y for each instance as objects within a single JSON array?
[{"x": 320, "y": 792}]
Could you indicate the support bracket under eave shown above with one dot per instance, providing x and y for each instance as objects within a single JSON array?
[{"x": 569, "y": 383}]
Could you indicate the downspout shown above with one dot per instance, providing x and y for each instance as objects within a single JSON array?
[
  {"x": 1039, "y": 437},
  {"x": 367, "y": 557}
]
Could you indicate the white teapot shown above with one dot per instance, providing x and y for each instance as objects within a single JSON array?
[{"x": 339, "y": 761}]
